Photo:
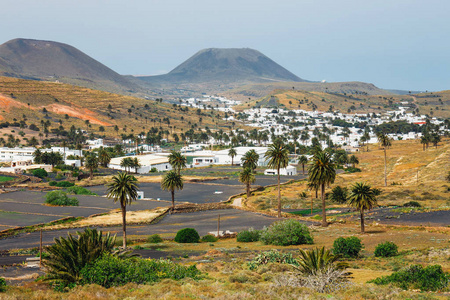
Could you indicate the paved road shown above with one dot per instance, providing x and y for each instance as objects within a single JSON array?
[{"x": 204, "y": 222}]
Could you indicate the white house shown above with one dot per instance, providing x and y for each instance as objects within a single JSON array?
[
  {"x": 222, "y": 157},
  {"x": 149, "y": 161},
  {"x": 16, "y": 154},
  {"x": 288, "y": 171}
]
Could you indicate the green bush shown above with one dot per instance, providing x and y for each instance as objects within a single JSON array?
[
  {"x": 412, "y": 204},
  {"x": 347, "y": 247},
  {"x": 2, "y": 284},
  {"x": 386, "y": 249},
  {"x": 247, "y": 236},
  {"x": 154, "y": 238},
  {"x": 272, "y": 256},
  {"x": 431, "y": 278},
  {"x": 111, "y": 271},
  {"x": 60, "y": 198},
  {"x": 285, "y": 233},
  {"x": 79, "y": 190},
  {"x": 52, "y": 183},
  {"x": 352, "y": 170},
  {"x": 209, "y": 238},
  {"x": 41, "y": 173},
  {"x": 187, "y": 235},
  {"x": 65, "y": 184},
  {"x": 153, "y": 170}
]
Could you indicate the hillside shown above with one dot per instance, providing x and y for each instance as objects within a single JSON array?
[
  {"x": 434, "y": 104},
  {"x": 53, "y": 61},
  {"x": 224, "y": 66},
  {"x": 67, "y": 105}
]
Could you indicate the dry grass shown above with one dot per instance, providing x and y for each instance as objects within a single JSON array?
[{"x": 114, "y": 218}]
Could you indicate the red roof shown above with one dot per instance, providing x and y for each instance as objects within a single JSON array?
[{"x": 420, "y": 123}]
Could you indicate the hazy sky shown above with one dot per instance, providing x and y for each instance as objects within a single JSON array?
[{"x": 397, "y": 44}]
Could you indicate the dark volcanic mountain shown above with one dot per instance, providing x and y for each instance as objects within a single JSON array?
[
  {"x": 225, "y": 66},
  {"x": 45, "y": 60}
]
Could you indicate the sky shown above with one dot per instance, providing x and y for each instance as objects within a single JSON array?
[{"x": 394, "y": 44}]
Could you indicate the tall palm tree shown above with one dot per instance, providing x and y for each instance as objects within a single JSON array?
[
  {"x": 136, "y": 164},
  {"x": 177, "y": 161},
  {"x": 250, "y": 159},
  {"x": 172, "y": 181},
  {"x": 232, "y": 153},
  {"x": 123, "y": 188},
  {"x": 424, "y": 140},
  {"x": 385, "y": 142},
  {"x": 303, "y": 160},
  {"x": 126, "y": 163},
  {"x": 362, "y": 197},
  {"x": 322, "y": 172},
  {"x": 278, "y": 156},
  {"x": 104, "y": 157},
  {"x": 247, "y": 177},
  {"x": 91, "y": 163}
]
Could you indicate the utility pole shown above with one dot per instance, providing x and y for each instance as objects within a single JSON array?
[{"x": 218, "y": 226}]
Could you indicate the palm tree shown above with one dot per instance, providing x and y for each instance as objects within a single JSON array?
[
  {"x": 354, "y": 160},
  {"x": 232, "y": 153},
  {"x": 312, "y": 261},
  {"x": 91, "y": 164},
  {"x": 424, "y": 140},
  {"x": 385, "y": 142},
  {"x": 126, "y": 163},
  {"x": 435, "y": 139},
  {"x": 136, "y": 164},
  {"x": 250, "y": 159},
  {"x": 247, "y": 177},
  {"x": 278, "y": 156},
  {"x": 322, "y": 172},
  {"x": 303, "y": 160},
  {"x": 67, "y": 257},
  {"x": 104, "y": 157},
  {"x": 177, "y": 161},
  {"x": 362, "y": 197},
  {"x": 313, "y": 187},
  {"x": 172, "y": 181},
  {"x": 123, "y": 188}
]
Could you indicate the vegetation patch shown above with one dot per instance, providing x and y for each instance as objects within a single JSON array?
[
  {"x": 60, "y": 198},
  {"x": 285, "y": 233},
  {"x": 79, "y": 190},
  {"x": 250, "y": 235},
  {"x": 187, "y": 235},
  {"x": 430, "y": 278},
  {"x": 5, "y": 178},
  {"x": 386, "y": 249},
  {"x": 347, "y": 247}
]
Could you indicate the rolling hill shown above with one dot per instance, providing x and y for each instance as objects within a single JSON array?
[{"x": 53, "y": 61}]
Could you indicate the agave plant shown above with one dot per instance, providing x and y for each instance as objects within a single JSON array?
[{"x": 69, "y": 255}]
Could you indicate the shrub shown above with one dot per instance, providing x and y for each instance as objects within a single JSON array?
[
  {"x": 386, "y": 249},
  {"x": 352, "y": 170},
  {"x": 285, "y": 233},
  {"x": 153, "y": 170},
  {"x": 41, "y": 173},
  {"x": 79, "y": 190},
  {"x": 154, "y": 238},
  {"x": 52, "y": 183},
  {"x": 187, "y": 235},
  {"x": 247, "y": 236},
  {"x": 209, "y": 238},
  {"x": 272, "y": 256},
  {"x": 60, "y": 198},
  {"x": 431, "y": 278},
  {"x": 111, "y": 271},
  {"x": 2, "y": 284},
  {"x": 347, "y": 247},
  {"x": 412, "y": 204},
  {"x": 65, "y": 184}
]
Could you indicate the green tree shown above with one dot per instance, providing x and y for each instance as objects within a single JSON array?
[
  {"x": 322, "y": 172},
  {"x": 247, "y": 177},
  {"x": 37, "y": 156},
  {"x": 303, "y": 160},
  {"x": 250, "y": 159},
  {"x": 123, "y": 189},
  {"x": 136, "y": 164},
  {"x": 385, "y": 142},
  {"x": 362, "y": 197},
  {"x": 172, "y": 181},
  {"x": 104, "y": 157},
  {"x": 177, "y": 161},
  {"x": 339, "y": 195},
  {"x": 278, "y": 156},
  {"x": 354, "y": 160},
  {"x": 91, "y": 163},
  {"x": 126, "y": 163},
  {"x": 232, "y": 153}
]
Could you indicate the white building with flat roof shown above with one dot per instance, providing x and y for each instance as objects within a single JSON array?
[
  {"x": 149, "y": 161},
  {"x": 222, "y": 157},
  {"x": 288, "y": 171}
]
